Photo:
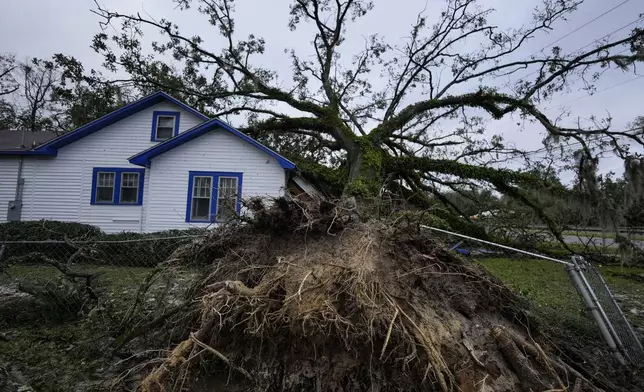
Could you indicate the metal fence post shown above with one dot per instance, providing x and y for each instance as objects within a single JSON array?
[
  {"x": 594, "y": 308},
  {"x": 597, "y": 297}
]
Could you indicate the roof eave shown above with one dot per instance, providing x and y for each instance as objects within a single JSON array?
[
  {"x": 45, "y": 152},
  {"x": 114, "y": 117},
  {"x": 144, "y": 158}
]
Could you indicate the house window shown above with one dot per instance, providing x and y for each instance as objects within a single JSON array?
[
  {"x": 213, "y": 196},
  {"x": 164, "y": 125},
  {"x": 123, "y": 186},
  {"x": 226, "y": 198},
  {"x": 201, "y": 198},
  {"x": 129, "y": 187},
  {"x": 105, "y": 187}
]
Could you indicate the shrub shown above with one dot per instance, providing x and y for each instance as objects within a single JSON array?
[
  {"x": 127, "y": 249},
  {"x": 45, "y": 230}
]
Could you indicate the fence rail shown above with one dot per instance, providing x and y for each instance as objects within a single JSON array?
[{"x": 612, "y": 317}]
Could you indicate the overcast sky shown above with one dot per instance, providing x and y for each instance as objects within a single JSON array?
[{"x": 40, "y": 28}]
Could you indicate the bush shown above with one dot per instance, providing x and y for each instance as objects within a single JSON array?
[
  {"x": 45, "y": 230},
  {"x": 113, "y": 249}
]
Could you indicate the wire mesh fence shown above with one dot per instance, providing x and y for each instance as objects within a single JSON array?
[
  {"x": 131, "y": 280},
  {"x": 67, "y": 279},
  {"x": 612, "y": 316},
  {"x": 594, "y": 312}
]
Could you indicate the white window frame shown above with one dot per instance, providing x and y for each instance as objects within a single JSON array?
[
  {"x": 174, "y": 124},
  {"x": 98, "y": 179},
  {"x": 138, "y": 180},
  {"x": 236, "y": 188},
  {"x": 208, "y": 217}
]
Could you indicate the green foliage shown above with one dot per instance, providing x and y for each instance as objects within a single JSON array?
[
  {"x": 45, "y": 230},
  {"x": 331, "y": 180},
  {"x": 134, "y": 249}
]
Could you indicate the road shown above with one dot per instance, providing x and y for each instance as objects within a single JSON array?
[{"x": 573, "y": 239}]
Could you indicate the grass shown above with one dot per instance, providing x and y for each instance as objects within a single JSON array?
[
  {"x": 547, "y": 286},
  {"x": 54, "y": 354}
]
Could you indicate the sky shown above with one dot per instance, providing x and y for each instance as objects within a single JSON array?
[{"x": 40, "y": 28}]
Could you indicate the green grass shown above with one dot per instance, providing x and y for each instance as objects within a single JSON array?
[
  {"x": 54, "y": 354},
  {"x": 556, "y": 249},
  {"x": 547, "y": 286},
  {"x": 544, "y": 282}
]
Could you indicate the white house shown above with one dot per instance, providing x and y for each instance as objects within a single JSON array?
[{"x": 153, "y": 165}]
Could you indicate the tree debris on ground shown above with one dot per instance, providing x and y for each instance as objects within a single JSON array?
[{"x": 318, "y": 300}]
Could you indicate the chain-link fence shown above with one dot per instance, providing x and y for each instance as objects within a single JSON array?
[
  {"x": 594, "y": 311},
  {"x": 67, "y": 279},
  {"x": 610, "y": 315}
]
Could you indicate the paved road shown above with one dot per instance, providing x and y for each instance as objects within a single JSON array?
[{"x": 573, "y": 239}]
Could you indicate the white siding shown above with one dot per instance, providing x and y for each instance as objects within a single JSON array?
[
  {"x": 215, "y": 151},
  {"x": 8, "y": 178},
  {"x": 60, "y": 187}
]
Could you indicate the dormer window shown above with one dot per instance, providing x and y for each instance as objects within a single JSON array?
[{"x": 164, "y": 125}]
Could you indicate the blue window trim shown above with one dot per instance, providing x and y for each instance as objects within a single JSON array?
[
  {"x": 155, "y": 118},
  {"x": 213, "y": 195},
  {"x": 118, "y": 171},
  {"x": 144, "y": 157}
]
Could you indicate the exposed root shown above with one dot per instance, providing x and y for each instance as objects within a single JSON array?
[
  {"x": 371, "y": 308},
  {"x": 520, "y": 363}
]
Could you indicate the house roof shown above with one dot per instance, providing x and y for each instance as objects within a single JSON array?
[
  {"x": 143, "y": 158},
  {"x": 11, "y": 140},
  {"x": 52, "y": 146}
]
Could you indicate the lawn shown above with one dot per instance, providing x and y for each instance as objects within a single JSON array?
[
  {"x": 55, "y": 354},
  {"x": 547, "y": 286}
]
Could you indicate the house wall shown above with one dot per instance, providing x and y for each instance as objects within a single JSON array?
[
  {"x": 8, "y": 178},
  {"x": 59, "y": 187},
  {"x": 214, "y": 151}
]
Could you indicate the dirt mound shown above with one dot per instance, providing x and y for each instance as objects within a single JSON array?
[{"x": 365, "y": 308}]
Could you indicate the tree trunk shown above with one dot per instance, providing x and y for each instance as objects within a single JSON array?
[{"x": 365, "y": 179}]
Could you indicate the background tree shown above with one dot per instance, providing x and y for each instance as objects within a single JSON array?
[
  {"x": 37, "y": 79},
  {"x": 8, "y": 86},
  {"x": 81, "y": 97},
  {"x": 421, "y": 133}
]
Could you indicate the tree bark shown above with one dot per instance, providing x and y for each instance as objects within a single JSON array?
[{"x": 365, "y": 179}]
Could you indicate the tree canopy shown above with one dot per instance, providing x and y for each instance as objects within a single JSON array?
[
  {"x": 422, "y": 131},
  {"x": 412, "y": 119}
]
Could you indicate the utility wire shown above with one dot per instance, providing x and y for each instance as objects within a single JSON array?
[
  {"x": 582, "y": 26},
  {"x": 611, "y": 33},
  {"x": 596, "y": 92},
  {"x": 631, "y": 131},
  {"x": 587, "y": 45}
]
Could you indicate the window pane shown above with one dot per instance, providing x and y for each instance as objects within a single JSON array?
[
  {"x": 165, "y": 127},
  {"x": 106, "y": 179},
  {"x": 129, "y": 188},
  {"x": 129, "y": 195},
  {"x": 105, "y": 187},
  {"x": 202, "y": 187},
  {"x": 104, "y": 194},
  {"x": 201, "y": 192},
  {"x": 130, "y": 179},
  {"x": 200, "y": 209},
  {"x": 227, "y": 198},
  {"x": 166, "y": 121},
  {"x": 164, "y": 133}
]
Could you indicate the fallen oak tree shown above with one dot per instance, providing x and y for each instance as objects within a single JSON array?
[{"x": 356, "y": 306}]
